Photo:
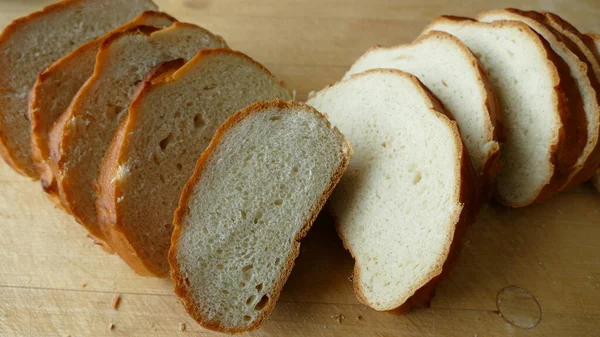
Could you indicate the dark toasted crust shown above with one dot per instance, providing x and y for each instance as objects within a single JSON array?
[
  {"x": 107, "y": 188},
  {"x": 110, "y": 214},
  {"x": 593, "y": 160},
  {"x": 178, "y": 279},
  {"x": 466, "y": 194},
  {"x": 36, "y": 109}
]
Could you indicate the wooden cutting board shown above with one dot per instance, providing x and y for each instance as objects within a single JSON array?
[{"x": 523, "y": 272}]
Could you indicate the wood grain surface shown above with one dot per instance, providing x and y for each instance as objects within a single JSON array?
[{"x": 524, "y": 272}]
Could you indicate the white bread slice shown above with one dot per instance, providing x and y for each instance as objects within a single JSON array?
[
  {"x": 527, "y": 78},
  {"x": 408, "y": 193},
  {"x": 583, "y": 96},
  {"x": 30, "y": 44},
  {"x": 449, "y": 69},
  {"x": 254, "y": 195},
  {"x": 56, "y": 86},
  {"x": 587, "y": 47},
  {"x": 83, "y": 133},
  {"x": 171, "y": 120}
]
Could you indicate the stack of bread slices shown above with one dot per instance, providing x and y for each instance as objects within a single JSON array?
[{"x": 190, "y": 159}]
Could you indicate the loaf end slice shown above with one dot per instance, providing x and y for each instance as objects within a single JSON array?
[
  {"x": 253, "y": 196},
  {"x": 409, "y": 191},
  {"x": 56, "y": 87},
  {"x": 30, "y": 44},
  {"x": 81, "y": 136},
  {"x": 171, "y": 120}
]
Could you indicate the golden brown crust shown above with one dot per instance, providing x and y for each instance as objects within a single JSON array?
[
  {"x": 180, "y": 284},
  {"x": 466, "y": 194},
  {"x": 110, "y": 214},
  {"x": 38, "y": 109}
]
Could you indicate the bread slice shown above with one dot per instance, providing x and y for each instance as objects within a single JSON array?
[
  {"x": 82, "y": 134},
  {"x": 404, "y": 201},
  {"x": 586, "y": 46},
  {"x": 528, "y": 79},
  {"x": 583, "y": 96},
  {"x": 56, "y": 86},
  {"x": 449, "y": 69},
  {"x": 254, "y": 195},
  {"x": 171, "y": 120},
  {"x": 30, "y": 44}
]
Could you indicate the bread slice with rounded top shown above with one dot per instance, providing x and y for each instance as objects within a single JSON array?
[
  {"x": 583, "y": 96},
  {"x": 56, "y": 86},
  {"x": 586, "y": 45},
  {"x": 408, "y": 193},
  {"x": 171, "y": 120},
  {"x": 83, "y": 133},
  {"x": 449, "y": 69},
  {"x": 528, "y": 79},
  {"x": 254, "y": 195},
  {"x": 30, "y": 44}
]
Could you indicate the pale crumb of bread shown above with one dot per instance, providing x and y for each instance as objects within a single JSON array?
[
  {"x": 339, "y": 318},
  {"x": 182, "y": 327},
  {"x": 111, "y": 326},
  {"x": 116, "y": 302}
]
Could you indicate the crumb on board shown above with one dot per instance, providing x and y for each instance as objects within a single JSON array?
[
  {"x": 339, "y": 318},
  {"x": 116, "y": 302},
  {"x": 359, "y": 317},
  {"x": 182, "y": 327},
  {"x": 83, "y": 285},
  {"x": 111, "y": 327},
  {"x": 351, "y": 278}
]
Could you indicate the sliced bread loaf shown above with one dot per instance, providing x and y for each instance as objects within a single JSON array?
[
  {"x": 449, "y": 69},
  {"x": 171, "y": 120},
  {"x": 408, "y": 192},
  {"x": 254, "y": 195},
  {"x": 583, "y": 96},
  {"x": 56, "y": 86},
  {"x": 32, "y": 43},
  {"x": 595, "y": 47},
  {"x": 83, "y": 133},
  {"x": 528, "y": 79},
  {"x": 586, "y": 45}
]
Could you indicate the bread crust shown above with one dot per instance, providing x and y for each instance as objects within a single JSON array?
[
  {"x": 109, "y": 211},
  {"x": 38, "y": 109},
  {"x": 178, "y": 279},
  {"x": 592, "y": 162},
  {"x": 561, "y": 158},
  {"x": 465, "y": 194}
]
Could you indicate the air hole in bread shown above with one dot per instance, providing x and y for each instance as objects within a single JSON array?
[
  {"x": 243, "y": 215},
  {"x": 277, "y": 260},
  {"x": 278, "y": 202},
  {"x": 294, "y": 169},
  {"x": 250, "y": 300},
  {"x": 257, "y": 217},
  {"x": 165, "y": 142},
  {"x": 384, "y": 144},
  {"x": 162, "y": 178},
  {"x": 155, "y": 159},
  {"x": 247, "y": 318},
  {"x": 208, "y": 87},
  {"x": 179, "y": 166},
  {"x": 259, "y": 287},
  {"x": 219, "y": 251},
  {"x": 224, "y": 291},
  {"x": 199, "y": 121},
  {"x": 262, "y": 303},
  {"x": 246, "y": 268},
  {"x": 242, "y": 284},
  {"x": 275, "y": 118},
  {"x": 220, "y": 267},
  {"x": 113, "y": 111},
  {"x": 417, "y": 178}
]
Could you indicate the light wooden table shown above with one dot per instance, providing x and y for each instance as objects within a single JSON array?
[{"x": 55, "y": 282}]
